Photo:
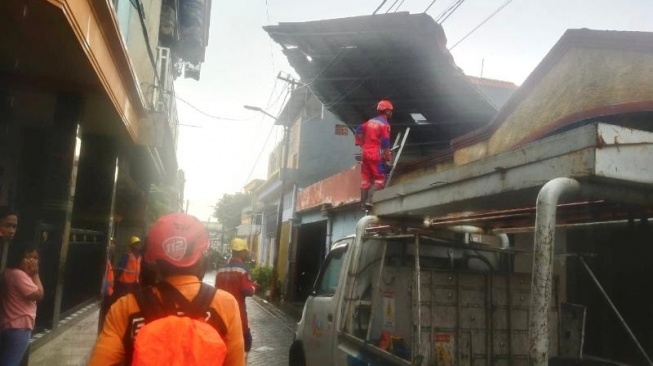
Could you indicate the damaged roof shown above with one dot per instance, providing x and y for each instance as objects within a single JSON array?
[{"x": 352, "y": 63}]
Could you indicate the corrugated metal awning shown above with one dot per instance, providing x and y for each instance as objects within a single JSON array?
[{"x": 352, "y": 63}]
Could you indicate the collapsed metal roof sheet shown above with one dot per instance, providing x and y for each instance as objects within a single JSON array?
[{"x": 351, "y": 63}]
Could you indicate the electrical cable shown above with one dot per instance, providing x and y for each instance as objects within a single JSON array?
[
  {"x": 258, "y": 158},
  {"x": 377, "y": 9},
  {"x": 392, "y": 6},
  {"x": 259, "y": 155},
  {"x": 448, "y": 11},
  {"x": 267, "y": 11},
  {"x": 452, "y": 11},
  {"x": 141, "y": 15},
  {"x": 338, "y": 54},
  {"x": 211, "y": 115},
  {"x": 481, "y": 24},
  {"x": 399, "y": 6},
  {"x": 429, "y": 7}
]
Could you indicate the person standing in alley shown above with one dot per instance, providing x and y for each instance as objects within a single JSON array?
[
  {"x": 108, "y": 284},
  {"x": 129, "y": 268},
  {"x": 8, "y": 228},
  {"x": 235, "y": 279},
  {"x": 179, "y": 320},
  {"x": 21, "y": 289},
  {"x": 373, "y": 137}
]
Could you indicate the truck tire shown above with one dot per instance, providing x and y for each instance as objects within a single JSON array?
[{"x": 296, "y": 355}]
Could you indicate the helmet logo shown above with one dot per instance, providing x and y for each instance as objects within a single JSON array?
[{"x": 175, "y": 247}]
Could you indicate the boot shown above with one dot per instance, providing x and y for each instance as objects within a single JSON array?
[
  {"x": 370, "y": 195},
  {"x": 364, "y": 194}
]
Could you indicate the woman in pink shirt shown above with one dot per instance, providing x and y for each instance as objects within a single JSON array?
[{"x": 21, "y": 289}]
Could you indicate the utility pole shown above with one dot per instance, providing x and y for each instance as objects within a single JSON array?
[
  {"x": 277, "y": 241},
  {"x": 274, "y": 294}
]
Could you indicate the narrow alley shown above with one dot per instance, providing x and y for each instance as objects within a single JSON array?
[{"x": 272, "y": 331}]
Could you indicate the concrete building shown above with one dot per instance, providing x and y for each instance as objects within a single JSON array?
[
  {"x": 319, "y": 145},
  {"x": 88, "y": 123}
]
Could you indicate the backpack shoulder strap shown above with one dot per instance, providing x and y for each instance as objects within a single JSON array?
[
  {"x": 202, "y": 304},
  {"x": 148, "y": 304}
]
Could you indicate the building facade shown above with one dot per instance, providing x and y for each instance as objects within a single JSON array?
[
  {"x": 88, "y": 124},
  {"x": 319, "y": 145}
]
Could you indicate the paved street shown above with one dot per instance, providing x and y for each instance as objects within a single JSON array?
[{"x": 272, "y": 331}]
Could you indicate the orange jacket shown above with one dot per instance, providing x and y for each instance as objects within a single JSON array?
[
  {"x": 108, "y": 280},
  {"x": 130, "y": 268},
  {"x": 109, "y": 349}
]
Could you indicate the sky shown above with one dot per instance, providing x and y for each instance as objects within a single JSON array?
[{"x": 220, "y": 155}]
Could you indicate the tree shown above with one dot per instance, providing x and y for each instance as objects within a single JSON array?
[{"x": 229, "y": 209}]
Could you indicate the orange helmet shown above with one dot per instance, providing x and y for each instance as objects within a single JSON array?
[
  {"x": 178, "y": 239},
  {"x": 384, "y": 105}
]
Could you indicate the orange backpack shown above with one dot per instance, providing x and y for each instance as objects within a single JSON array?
[{"x": 175, "y": 331}]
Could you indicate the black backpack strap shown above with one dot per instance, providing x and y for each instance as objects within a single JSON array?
[
  {"x": 203, "y": 301},
  {"x": 174, "y": 301},
  {"x": 150, "y": 309},
  {"x": 148, "y": 304}
]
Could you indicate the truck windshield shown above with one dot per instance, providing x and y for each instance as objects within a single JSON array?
[{"x": 329, "y": 276}]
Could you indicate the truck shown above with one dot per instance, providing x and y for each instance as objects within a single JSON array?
[{"x": 522, "y": 265}]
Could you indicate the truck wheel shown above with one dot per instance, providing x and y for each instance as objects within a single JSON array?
[{"x": 296, "y": 355}]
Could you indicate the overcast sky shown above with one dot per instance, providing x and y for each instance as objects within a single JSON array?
[{"x": 220, "y": 156}]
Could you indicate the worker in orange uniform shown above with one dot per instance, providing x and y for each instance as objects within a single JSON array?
[
  {"x": 176, "y": 245},
  {"x": 129, "y": 268},
  {"x": 108, "y": 284},
  {"x": 235, "y": 279},
  {"x": 373, "y": 137}
]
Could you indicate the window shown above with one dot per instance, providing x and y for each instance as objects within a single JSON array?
[
  {"x": 327, "y": 281},
  {"x": 342, "y": 130}
]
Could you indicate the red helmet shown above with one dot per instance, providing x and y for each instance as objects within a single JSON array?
[
  {"x": 178, "y": 239},
  {"x": 384, "y": 105}
]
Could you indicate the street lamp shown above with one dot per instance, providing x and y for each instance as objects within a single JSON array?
[
  {"x": 282, "y": 179},
  {"x": 259, "y": 109}
]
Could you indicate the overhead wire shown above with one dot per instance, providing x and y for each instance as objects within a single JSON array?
[
  {"x": 267, "y": 12},
  {"x": 458, "y": 4},
  {"x": 212, "y": 116},
  {"x": 448, "y": 11},
  {"x": 399, "y": 6},
  {"x": 379, "y": 8},
  {"x": 481, "y": 24},
  {"x": 258, "y": 158},
  {"x": 391, "y": 6},
  {"x": 429, "y": 7}
]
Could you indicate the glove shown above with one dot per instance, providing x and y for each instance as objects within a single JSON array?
[{"x": 387, "y": 156}]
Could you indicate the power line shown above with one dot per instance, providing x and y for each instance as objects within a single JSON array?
[
  {"x": 259, "y": 155},
  {"x": 211, "y": 115},
  {"x": 399, "y": 6},
  {"x": 448, "y": 11},
  {"x": 377, "y": 9},
  {"x": 267, "y": 12},
  {"x": 452, "y": 11},
  {"x": 392, "y": 6},
  {"x": 481, "y": 24},
  {"x": 258, "y": 158},
  {"x": 429, "y": 7}
]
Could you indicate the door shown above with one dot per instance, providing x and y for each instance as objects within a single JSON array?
[{"x": 320, "y": 324}]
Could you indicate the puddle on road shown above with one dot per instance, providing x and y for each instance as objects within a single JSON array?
[{"x": 264, "y": 349}]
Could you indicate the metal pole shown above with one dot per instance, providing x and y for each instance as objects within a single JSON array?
[
  {"x": 277, "y": 241},
  {"x": 542, "y": 282},
  {"x": 615, "y": 310}
]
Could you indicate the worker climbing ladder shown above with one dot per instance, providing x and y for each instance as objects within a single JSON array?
[{"x": 399, "y": 147}]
